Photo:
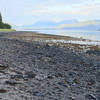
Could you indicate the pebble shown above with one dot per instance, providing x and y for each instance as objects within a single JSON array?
[
  {"x": 3, "y": 67},
  {"x": 3, "y": 91},
  {"x": 29, "y": 75},
  {"x": 90, "y": 97},
  {"x": 91, "y": 82},
  {"x": 37, "y": 69},
  {"x": 11, "y": 82}
]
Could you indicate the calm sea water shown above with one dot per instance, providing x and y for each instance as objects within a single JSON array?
[{"x": 93, "y": 35}]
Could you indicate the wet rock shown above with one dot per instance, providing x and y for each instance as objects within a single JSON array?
[
  {"x": 59, "y": 75},
  {"x": 11, "y": 82},
  {"x": 62, "y": 83},
  {"x": 76, "y": 81},
  {"x": 47, "y": 46},
  {"x": 90, "y": 97},
  {"x": 16, "y": 71},
  {"x": 50, "y": 77},
  {"x": 95, "y": 52},
  {"x": 25, "y": 80},
  {"x": 2, "y": 71},
  {"x": 71, "y": 98},
  {"x": 35, "y": 93},
  {"x": 91, "y": 82},
  {"x": 19, "y": 76},
  {"x": 72, "y": 74},
  {"x": 30, "y": 75},
  {"x": 98, "y": 76},
  {"x": 3, "y": 66}
]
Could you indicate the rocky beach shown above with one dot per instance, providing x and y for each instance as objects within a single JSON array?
[{"x": 33, "y": 69}]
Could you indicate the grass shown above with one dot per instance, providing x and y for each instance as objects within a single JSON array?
[{"x": 7, "y": 30}]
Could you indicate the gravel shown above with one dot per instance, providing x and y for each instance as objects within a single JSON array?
[{"x": 39, "y": 71}]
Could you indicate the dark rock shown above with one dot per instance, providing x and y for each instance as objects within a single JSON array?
[
  {"x": 3, "y": 66},
  {"x": 91, "y": 82},
  {"x": 98, "y": 76},
  {"x": 47, "y": 46},
  {"x": 72, "y": 74},
  {"x": 50, "y": 77},
  {"x": 11, "y": 82},
  {"x": 71, "y": 98},
  {"x": 30, "y": 75},
  {"x": 62, "y": 83},
  {"x": 90, "y": 97},
  {"x": 76, "y": 81},
  {"x": 19, "y": 76},
  {"x": 35, "y": 93},
  {"x": 95, "y": 52},
  {"x": 3, "y": 91},
  {"x": 59, "y": 75}
]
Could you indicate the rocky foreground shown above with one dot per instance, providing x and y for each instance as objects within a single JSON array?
[{"x": 39, "y": 71}]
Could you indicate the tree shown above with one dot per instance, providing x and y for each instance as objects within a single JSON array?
[
  {"x": 0, "y": 18},
  {"x": 4, "y": 25},
  {"x": 7, "y": 26}
]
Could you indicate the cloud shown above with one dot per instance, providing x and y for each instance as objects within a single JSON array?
[
  {"x": 86, "y": 8},
  {"x": 24, "y": 11}
]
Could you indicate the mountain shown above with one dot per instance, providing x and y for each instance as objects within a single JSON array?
[
  {"x": 47, "y": 24},
  {"x": 41, "y": 24},
  {"x": 65, "y": 24},
  {"x": 68, "y": 21},
  {"x": 86, "y": 25}
]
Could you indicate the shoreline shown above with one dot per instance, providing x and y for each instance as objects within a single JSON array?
[
  {"x": 35, "y": 34},
  {"x": 62, "y": 41}
]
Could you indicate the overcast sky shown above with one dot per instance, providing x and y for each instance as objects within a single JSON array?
[{"x": 21, "y": 12}]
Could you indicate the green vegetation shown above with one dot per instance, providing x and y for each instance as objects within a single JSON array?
[
  {"x": 4, "y": 25},
  {"x": 7, "y": 30}
]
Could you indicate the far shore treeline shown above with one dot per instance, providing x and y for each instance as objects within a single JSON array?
[{"x": 4, "y": 25}]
